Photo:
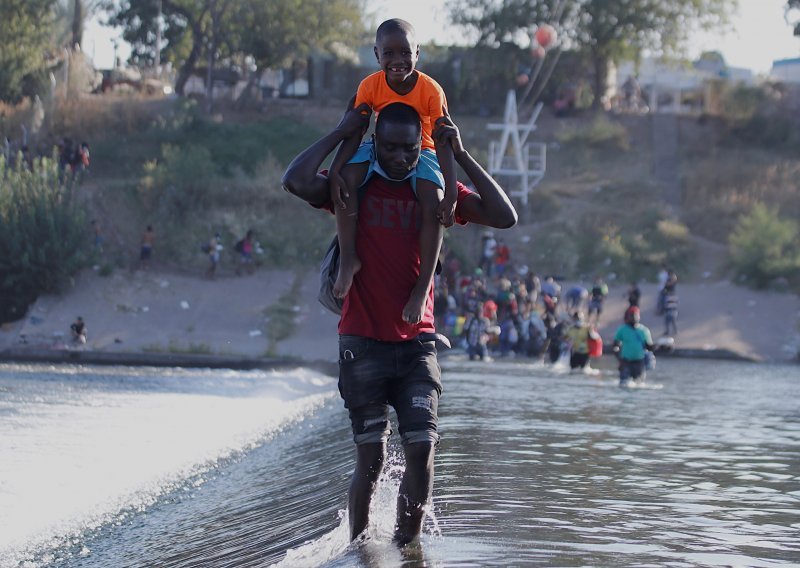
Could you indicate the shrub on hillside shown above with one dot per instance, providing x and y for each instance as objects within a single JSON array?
[
  {"x": 181, "y": 181},
  {"x": 764, "y": 247},
  {"x": 634, "y": 251},
  {"x": 759, "y": 116},
  {"x": 42, "y": 235},
  {"x": 721, "y": 188},
  {"x": 602, "y": 132}
]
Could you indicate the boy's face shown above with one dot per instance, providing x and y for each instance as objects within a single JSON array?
[
  {"x": 397, "y": 147},
  {"x": 397, "y": 54}
]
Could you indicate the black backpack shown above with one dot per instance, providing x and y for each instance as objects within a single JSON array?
[
  {"x": 239, "y": 246},
  {"x": 328, "y": 271}
]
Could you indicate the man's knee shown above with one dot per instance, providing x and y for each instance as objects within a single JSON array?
[
  {"x": 371, "y": 457},
  {"x": 420, "y": 452}
]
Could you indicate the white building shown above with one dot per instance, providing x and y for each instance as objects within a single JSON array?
[
  {"x": 786, "y": 70},
  {"x": 675, "y": 87}
]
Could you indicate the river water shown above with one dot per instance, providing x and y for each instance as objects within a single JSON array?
[{"x": 141, "y": 467}]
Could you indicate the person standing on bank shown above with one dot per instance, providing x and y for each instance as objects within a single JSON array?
[{"x": 385, "y": 360}]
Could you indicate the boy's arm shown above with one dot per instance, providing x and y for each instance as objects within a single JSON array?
[
  {"x": 490, "y": 205},
  {"x": 302, "y": 176}
]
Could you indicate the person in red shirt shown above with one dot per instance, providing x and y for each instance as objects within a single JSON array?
[{"x": 385, "y": 360}]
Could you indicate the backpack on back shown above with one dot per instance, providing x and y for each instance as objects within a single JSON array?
[{"x": 328, "y": 271}]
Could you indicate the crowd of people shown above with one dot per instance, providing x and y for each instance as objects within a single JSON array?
[
  {"x": 502, "y": 310},
  {"x": 73, "y": 159}
]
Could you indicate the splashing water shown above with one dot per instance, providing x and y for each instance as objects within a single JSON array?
[{"x": 376, "y": 543}]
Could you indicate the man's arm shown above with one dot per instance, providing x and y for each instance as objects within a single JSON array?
[
  {"x": 302, "y": 177},
  {"x": 490, "y": 205}
]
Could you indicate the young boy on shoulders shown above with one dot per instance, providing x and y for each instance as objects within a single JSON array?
[{"x": 397, "y": 52}]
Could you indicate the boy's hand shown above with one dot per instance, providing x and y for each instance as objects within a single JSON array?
[
  {"x": 445, "y": 131},
  {"x": 355, "y": 121},
  {"x": 446, "y": 212},
  {"x": 338, "y": 189}
]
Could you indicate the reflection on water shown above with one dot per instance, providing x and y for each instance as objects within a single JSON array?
[{"x": 535, "y": 467}]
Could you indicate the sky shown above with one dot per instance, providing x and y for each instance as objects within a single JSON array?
[{"x": 759, "y": 33}]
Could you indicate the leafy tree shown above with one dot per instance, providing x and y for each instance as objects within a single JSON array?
[
  {"x": 763, "y": 246},
  {"x": 275, "y": 33},
  {"x": 183, "y": 31},
  {"x": 266, "y": 33},
  {"x": 70, "y": 19},
  {"x": 794, "y": 5},
  {"x": 606, "y": 30},
  {"x": 25, "y": 31}
]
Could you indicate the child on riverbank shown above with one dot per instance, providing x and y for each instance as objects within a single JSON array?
[{"x": 397, "y": 52}]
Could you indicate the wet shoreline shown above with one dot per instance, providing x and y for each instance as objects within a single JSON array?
[{"x": 238, "y": 362}]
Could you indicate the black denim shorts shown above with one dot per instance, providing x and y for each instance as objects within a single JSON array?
[{"x": 374, "y": 375}]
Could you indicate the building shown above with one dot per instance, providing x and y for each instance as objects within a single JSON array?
[{"x": 786, "y": 70}]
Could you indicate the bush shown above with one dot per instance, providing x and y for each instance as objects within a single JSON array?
[
  {"x": 601, "y": 133},
  {"x": 635, "y": 250},
  {"x": 180, "y": 181},
  {"x": 42, "y": 235},
  {"x": 763, "y": 247}
]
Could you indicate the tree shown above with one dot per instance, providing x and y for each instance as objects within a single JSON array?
[
  {"x": 267, "y": 33},
  {"x": 42, "y": 234},
  {"x": 275, "y": 33},
  {"x": 25, "y": 31},
  {"x": 790, "y": 6},
  {"x": 763, "y": 246},
  {"x": 605, "y": 30}
]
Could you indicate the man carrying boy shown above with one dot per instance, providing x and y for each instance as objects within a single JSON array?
[
  {"x": 433, "y": 178},
  {"x": 385, "y": 360}
]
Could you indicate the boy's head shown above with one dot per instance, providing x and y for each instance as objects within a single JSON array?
[
  {"x": 632, "y": 315},
  {"x": 398, "y": 139},
  {"x": 396, "y": 49}
]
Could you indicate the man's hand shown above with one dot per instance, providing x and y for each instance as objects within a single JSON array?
[
  {"x": 355, "y": 121},
  {"x": 446, "y": 131}
]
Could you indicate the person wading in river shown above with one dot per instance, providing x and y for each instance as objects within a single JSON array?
[{"x": 384, "y": 360}]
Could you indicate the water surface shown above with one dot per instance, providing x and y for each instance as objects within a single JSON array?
[{"x": 145, "y": 467}]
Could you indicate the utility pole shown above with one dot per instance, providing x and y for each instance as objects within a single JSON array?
[{"x": 158, "y": 41}]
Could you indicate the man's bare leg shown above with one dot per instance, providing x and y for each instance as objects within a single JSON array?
[
  {"x": 369, "y": 464},
  {"x": 415, "y": 491}
]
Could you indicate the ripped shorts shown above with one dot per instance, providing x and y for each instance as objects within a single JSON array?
[{"x": 374, "y": 375}]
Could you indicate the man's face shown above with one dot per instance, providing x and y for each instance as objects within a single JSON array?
[
  {"x": 397, "y": 54},
  {"x": 397, "y": 147}
]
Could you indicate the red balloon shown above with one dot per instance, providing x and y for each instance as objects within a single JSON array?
[
  {"x": 538, "y": 52},
  {"x": 546, "y": 35}
]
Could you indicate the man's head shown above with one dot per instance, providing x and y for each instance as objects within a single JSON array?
[
  {"x": 396, "y": 50},
  {"x": 398, "y": 139},
  {"x": 632, "y": 315}
]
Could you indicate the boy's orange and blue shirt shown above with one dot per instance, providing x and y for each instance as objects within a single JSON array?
[{"x": 427, "y": 98}]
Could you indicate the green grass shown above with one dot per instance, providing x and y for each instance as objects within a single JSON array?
[{"x": 231, "y": 146}]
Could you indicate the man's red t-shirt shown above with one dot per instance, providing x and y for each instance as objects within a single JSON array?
[{"x": 388, "y": 247}]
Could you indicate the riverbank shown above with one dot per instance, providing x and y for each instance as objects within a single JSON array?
[{"x": 175, "y": 319}]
